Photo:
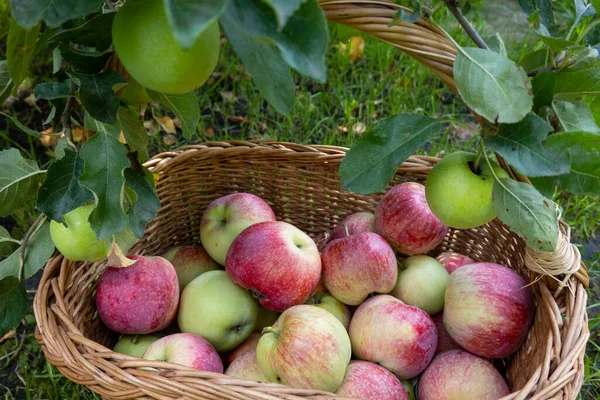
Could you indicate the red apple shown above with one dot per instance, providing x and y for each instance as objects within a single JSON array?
[
  {"x": 226, "y": 217},
  {"x": 457, "y": 374},
  {"x": 141, "y": 298},
  {"x": 185, "y": 349},
  {"x": 356, "y": 266},
  {"x": 367, "y": 380},
  {"x": 488, "y": 309},
  {"x": 445, "y": 342},
  {"x": 189, "y": 262},
  {"x": 451, "y": 260},
  {"x": 354, "y": 224},
  {"x": 277, "y": 262},
  {"x": 404, "y": 219},
  {"x": 246, "y": 345},
  {"x": 246, "y": 367},
  {"x": 397, "y": 336}
]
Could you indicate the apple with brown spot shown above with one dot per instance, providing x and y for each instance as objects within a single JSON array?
[
  {"x": 190, "y": 262},
  {"x": 138, "y": 299},
  {"x": 369, "y": 381},
  {"x": 185, "y": 349},
  {"x": 452, "y": 260},
  {"x": 397, "y": 336}
]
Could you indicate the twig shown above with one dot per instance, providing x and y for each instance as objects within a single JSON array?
[
  {"x": 65, "y": 117},
  {"x": 470, "y": 29},
  {"x": 539, "y": 71},
  {"x": 32, "y": 230}
]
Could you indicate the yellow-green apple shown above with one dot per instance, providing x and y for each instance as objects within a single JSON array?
[
  {"x": 397, "y": 336},
  {"x": 356, "y": 266},
  {"x": 265, "y": 318},
  {"x": 246, "y": 367},
  {"x": 457, "y": 374},
  {"x": 189, "y": 262},
  {"x": 249, "y": 344},
  {"x": 354, "y": 224},
  {"x": 488, "y": 309},
  {"x": 277, "y": 262},
  {"x": 134, "y": 345},
  {"x": 226, "y": 217},
  {"x": 451, "y": 260},
  {"x": 138, "y": 299},
  {"x": 369, "y": 381},
  {"x": 185, "y": 349},
  {"x": 445, "y": 342},
  {"x": 217, "y": 309},
  {"x": 307, "y": 348},
  {"x": 329, "y": 303},
  {"x": 409, "y": 386},
  {"x": 77, "y": 241},
  {"x": 422, "y": 283},
  {"x": 459, "y": 193},
  {"x": 404, "y": 219}
]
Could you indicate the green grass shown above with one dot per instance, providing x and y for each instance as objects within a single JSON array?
[{"x": 383, "y": 83}]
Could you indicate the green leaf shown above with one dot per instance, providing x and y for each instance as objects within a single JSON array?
[
  {"x": 52, "y": 90},
  {"x": 585, "y": 81},
  {"x": 593, "y": 103},
  {"x": 542, "y": 9},
  {"x": 527, "y": 213},
  {"x": 37, "y": 252},
  {"x": 521, "y": 145},
  {"x": 372, "y": 161},
  {"x": 125, "y": 239},
  {"x": 7, "y": 243},
  {"x": 302, "y": 42},
  {"x": 584, "y": 151},
  {"x": 146, "y": 206},
  {"x": 496, "y": 44},
  {"x": 61, "y": 147},
  {"x": 184, "y": 106},
  {"x": 13, "y": 304},
  {"x": 95, "y": 33},
  {"x": 97, "y": 95},
  {"x": 15, "y": 123},
  {"x": 265, "y": 64},
  {"x": 61, "y": 191},
  {"x": 543, "y": 89},
  {"x": 134, "y": 131},
  {"x": 556, "y": 44},
  {"x": 20, "y": 47},
  {"x": 575, "y": 116},
  {"x": 19, "y": 181},
  {"x": 84, "y": 61},
  {"x": 546, "y": 185},
  {"x": 534, "y": 60},
  {"x": 52, "y": 12},
  {"x": 587, "y": 57},
  {"x": 284, "y": 9},
  {"x": 6, "y": 83},
  {"x": 90, "y": 123},
  {"x": 105, "y": 160},
  {"x": 410, "y": 17},
  {"x": 492, "y": 85},
  {"x": 189, "y": 18}
]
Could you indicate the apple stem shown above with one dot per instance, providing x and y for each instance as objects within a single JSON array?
[
  {"x": 269, "y": 329},
  {"x": 346, "y": 230},
  {"x": 477, "y": 159}
]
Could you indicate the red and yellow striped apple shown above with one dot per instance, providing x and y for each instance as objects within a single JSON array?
[
  {"x": 451, "y": 260},
  {"x": 189, "y": 262},
  {"x": 246, "y": 367},
  {"x": 354, "y": 224},
  {"x": 367, "y": 380},
  {"x": 445, "y": 342},
  {"x": 186, "y": 349}
]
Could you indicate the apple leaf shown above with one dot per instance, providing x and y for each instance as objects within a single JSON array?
[
  {"x": 521, "y": 145},
  {"x": 15, "y": 123},
  {"x": 113, "y": 130},
  {"x": 20, "y": 49},
  {"x": 184, "y": 106},
  {"x": 527, "y": 213},
  {"x": 61, "y": 191},
  {"x": 97, "y": 95},
  {"x": 585, "y": 81},
  {"x": 84, "y": 61},
  {"x": 557, "y": 44},
  {"x": 373, "y": 159},
  {"x": 534, "y": 60},
  {"x": 302, "y": 42},
  {"x": 117, "y": 258},
  {"x": 105, "y": 160},
  {"x": 584, "y": 151},
  {"x": 125, "y": 239},
  {"x": 13, "y": 304},
  {"x": 265, "y": 64},
  {"x": 7, "y": 243},
  {"x": 492, "y": 85},
  {"x": 146, "y": 206},
  {"x": 543, "y": 89},
  {"x": 496, "y": 44},
  {"x": 6, "y": 83},
  {"x": 542, "y": 9},
  {"x": 189, "y": 18},
  {"x": 575, "y": 116},
  {"x": 284, "y": 9},
  {"x": 52, "y": 90},
  {"x": 52, "y": 12},
  {"x": 134, "y": 131},
  {"x": 38, "y": 250},
  {"x": 95, "y": 33},
  {"x": 19, "y": 181}
]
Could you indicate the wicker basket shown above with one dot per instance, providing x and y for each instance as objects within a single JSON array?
[{"x": 302, "y": 185}]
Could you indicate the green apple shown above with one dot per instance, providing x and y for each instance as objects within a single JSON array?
[
  {"x": 77, "y": 241},
  {"x": 134, "y": 345},
  {"x": 189, "y": 262},
  {"x": 217, "y": 309},
  {"x": 265, "y": 318},
  {"x": 460, "y": 196},
  {"x": 327, "y": 302},
  {"x": 422, "y": 283},
  {"x": 134, "y": 94}
]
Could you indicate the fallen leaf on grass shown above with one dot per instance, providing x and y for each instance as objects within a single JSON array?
[{"x": 166, "y": 123}]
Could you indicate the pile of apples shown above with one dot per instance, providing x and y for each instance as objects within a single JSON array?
[{"x": 361, "y": 315}]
